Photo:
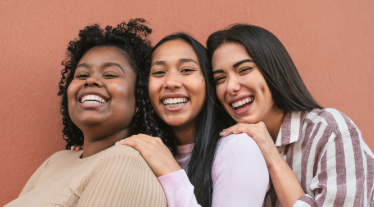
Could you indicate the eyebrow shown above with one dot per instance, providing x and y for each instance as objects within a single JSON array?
[
  {"x": 161, "y": 62},
  {"x": 106, "y": 64},
  {"x": 85, "y": 65},
  {"x": 241, "y": 62},
  {"x": 181, "y": 60},
  {"x": 217, "y": 71},
  {"x": 186, "y": 60}
]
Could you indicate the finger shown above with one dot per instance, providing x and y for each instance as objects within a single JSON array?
[
  {"x": 243, "y": 129},
  {"x": 231, "y": 130},
  {"x": 78, "y": 148},
  {"x": 72, "y": 148},
  {"x": 136, "y": 143}
]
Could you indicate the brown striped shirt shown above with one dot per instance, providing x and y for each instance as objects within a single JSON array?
[
  {"x": 117, "y": 176},
  {"x": 329, "y": 157}
]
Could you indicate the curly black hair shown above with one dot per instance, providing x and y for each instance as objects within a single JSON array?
[{"x": 131, "y": 38}]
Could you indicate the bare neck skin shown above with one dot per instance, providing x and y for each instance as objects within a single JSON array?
[
  {"x": 94, "y": 144},
  {"x": 273, "y": 121},
  {"x": 185, "y": 134}
]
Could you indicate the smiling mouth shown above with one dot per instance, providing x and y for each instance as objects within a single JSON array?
[
  {"x": 243, "y": 103},
  {"x": 92, "y": 99},
  {"x": 174, "y": 102}
]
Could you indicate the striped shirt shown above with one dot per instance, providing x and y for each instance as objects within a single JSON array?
[{"x": 329, "y": 157}]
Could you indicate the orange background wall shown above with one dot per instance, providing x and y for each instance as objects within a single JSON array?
[{"x": 331, "y": 43}]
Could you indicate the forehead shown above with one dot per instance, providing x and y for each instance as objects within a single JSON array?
[
  {"x": 99, "y": 55},
  {"x": 228, "y": 54},
  {"x": 174, "y": 50}
]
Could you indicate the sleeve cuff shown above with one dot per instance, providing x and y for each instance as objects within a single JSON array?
[
  {"x": 305, "y": 201},
  {"x": 175, "y": 180}
]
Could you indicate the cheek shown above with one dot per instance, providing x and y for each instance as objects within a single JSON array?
[
  {"x": 154, "y": 86},
  {"x": 124, "y": 93},
  {"x": 220, "y": 92},
  {"x": 73, "y": 91}
]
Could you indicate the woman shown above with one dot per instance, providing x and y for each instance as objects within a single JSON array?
[
  {"x": 315, "y": 156},
  {"x": 99, "y": 107},
  {"x": 216, "y": 172}
]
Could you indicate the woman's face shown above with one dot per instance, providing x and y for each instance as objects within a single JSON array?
[
  {"x": 240, "y": 85},
  {"x": 176, "y": 83},
  {"x": 101, "y": 94}
]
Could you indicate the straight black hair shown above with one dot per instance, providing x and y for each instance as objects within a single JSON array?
[
  {"x": 271, "y": 57},
  {"x": 209, "y": 123}
]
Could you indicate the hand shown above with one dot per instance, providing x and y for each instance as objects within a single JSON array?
[
  {"x": 261, "y": 136},
  {"x": 76, "y": 148},
  {"x": 155, "y": 153}
]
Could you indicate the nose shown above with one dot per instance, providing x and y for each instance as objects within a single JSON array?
[
  {"x": 233, "y": 86},
  {"x": 93, "y": 80},
  {"x": 172, "y": 81}
]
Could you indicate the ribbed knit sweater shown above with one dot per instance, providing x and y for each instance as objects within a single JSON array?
[{"x": 117, "y": 176}]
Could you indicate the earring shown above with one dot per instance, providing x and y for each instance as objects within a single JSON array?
[{"x": 136, "y": 111}]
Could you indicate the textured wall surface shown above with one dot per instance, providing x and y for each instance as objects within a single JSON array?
[{"x": 331, "y": 43}]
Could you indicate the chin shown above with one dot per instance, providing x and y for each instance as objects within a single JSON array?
[
  {"x": 247, "y": 119},
  {"x": 90, "y": 121},
  {"x": 175, "y": 121}
]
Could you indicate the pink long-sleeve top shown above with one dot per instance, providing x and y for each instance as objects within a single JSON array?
[{"x": 240, "y": 176}]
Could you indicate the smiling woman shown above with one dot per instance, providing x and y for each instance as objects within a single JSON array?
[
  {"x": 315, "y": 156},
  {"x": 99, "y": 107},
  {"x": 205, "y": 170}
]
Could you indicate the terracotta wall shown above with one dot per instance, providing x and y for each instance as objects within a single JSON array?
[{"x": 331, "y": 43}]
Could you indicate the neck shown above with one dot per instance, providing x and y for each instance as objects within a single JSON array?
[
  {"x": 273, "y": 121},
  {"x": 95, "y": 144},
  {"x": 184, "y": 134}
]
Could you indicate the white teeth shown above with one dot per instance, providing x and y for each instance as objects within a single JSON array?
[
  {"x": 176, "y": 102},
  {"x": 92, "y": 99},
  {"x": 242, "y": 102}
]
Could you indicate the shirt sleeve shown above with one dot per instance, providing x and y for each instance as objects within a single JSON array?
[
  {"x": 240, "y": 177},
  {"x": 34, "y": 178},
  {"x": 123, "y": 180},
  {"x": 340, "y": 178}
]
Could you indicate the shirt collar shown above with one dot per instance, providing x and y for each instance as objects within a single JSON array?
[{"x": 291, "y": 128}]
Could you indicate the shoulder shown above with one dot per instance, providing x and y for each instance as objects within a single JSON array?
[
  {"x": 121, "y": 152},
  {"x": 64, "y": 154},
  {"x": 114, "y": 159},
  {"x": 237, "y": 143},
  {"x": 335, "y": 120}
]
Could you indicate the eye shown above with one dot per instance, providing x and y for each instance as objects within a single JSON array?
[
  {"x": 159, "y": 73},
  {"x": 82, "y": 76},
  {"x": 187, "y": 71},
  {"x": 110, "y": 75},
  {"x": 246, "y": 69},
  {"x": 219, "y": 79}
]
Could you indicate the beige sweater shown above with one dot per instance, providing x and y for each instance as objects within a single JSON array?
[{"x": 117, "y": 176}]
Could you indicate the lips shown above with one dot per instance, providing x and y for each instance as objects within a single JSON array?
[
  {"x": 174, "y": 101},
  {"x": 92, "y": 98},
  {"x": 241, "y": 102}
]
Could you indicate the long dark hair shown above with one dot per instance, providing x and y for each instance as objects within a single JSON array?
[
  {"x": 211, "y": 120},
  {"x": 131, "y": 38},
  {"x": 271, "y": 57}
]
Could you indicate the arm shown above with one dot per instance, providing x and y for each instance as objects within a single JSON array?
[
  {"x": 340, "y": 178},
  {"x": 123, "y": 180},
  {"x": 286, "y": 185},
  {"x": 240, "y": 177},
  {"x": 34, "y": 178}
]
